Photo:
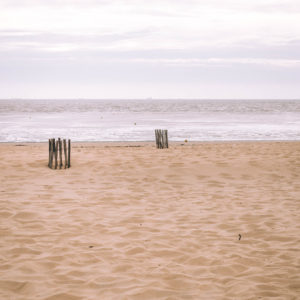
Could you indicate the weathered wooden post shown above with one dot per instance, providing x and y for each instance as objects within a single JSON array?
[
  {"x": 166, "y": 139},
  {"x": 161, "y": 137},
  {"x": 49, "y": 153},
  {"x": 156, "y": 138},
  {"x": 69, "y": 153},
  {"x": 53, "y": 152},
  {"x": 159, "y": 145},
  {"x": 65, "y": 152},
  {"x": 60, "y": 153},
  {"x": 52, "y": 149},
  {"x": 56, "y": 153}
]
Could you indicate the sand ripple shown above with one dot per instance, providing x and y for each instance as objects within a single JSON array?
[{"x": 201, "y": 221}]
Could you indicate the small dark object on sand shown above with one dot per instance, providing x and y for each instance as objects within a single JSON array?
[
  {"x": 240, "y": 236},
  {"x": 91, "y": 246}
]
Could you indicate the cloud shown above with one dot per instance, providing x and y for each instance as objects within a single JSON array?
[
  {"x": 138, "y": 40},
  {"x": 188, "y": 22},
  {"x": 47, "y": 41},
  {"x": 214, "y": 61}
]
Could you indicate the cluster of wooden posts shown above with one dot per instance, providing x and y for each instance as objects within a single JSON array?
[
  {"x": 161, "y": 137},
  {"x": 56, "y": 149}
]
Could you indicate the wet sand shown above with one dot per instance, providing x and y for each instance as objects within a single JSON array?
[{"x": 196, "y": 221}]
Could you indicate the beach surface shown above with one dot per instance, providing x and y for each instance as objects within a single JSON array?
[{"x": 128, "y": 221}]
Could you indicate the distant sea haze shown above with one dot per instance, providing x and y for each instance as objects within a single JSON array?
[{"x": 135, "y": 120}]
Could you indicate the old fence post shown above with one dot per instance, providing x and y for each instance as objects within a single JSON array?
[
  {"x": 157, "y": 138},
  {"x": 60, "y": 153},
  {"x": 56, "y": 153},
  {"x": 52, "y": 153},
  {"x": 69, "y": 153},
  {"x": 49, "y": 153},
  {"x": 65, "y": 152},
  {"x": 166, "y": 138}
]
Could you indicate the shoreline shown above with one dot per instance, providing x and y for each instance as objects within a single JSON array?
[{"x": 153, "y": 142}]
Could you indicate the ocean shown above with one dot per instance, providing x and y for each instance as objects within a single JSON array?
[{"x": 135, "y": 120}]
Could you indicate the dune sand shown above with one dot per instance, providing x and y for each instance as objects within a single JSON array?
[{"x": 196, "y": 221}]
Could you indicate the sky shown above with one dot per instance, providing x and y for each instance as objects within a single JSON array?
[{"x": 201, "y": 49}]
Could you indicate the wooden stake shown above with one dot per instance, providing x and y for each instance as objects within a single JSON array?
[
  {"x": 56, "y": 153},
  {"x": 163, "y": 137},
  {"x": 49, "y": 153},
  {"x": 69, "y": 153},
  {"x": 52, "y": 153},
  {"x": 65, "y": 152},
  {"x": 158, "y": 138},
  {"x": 60, "y": 153},
  {"x": 167, "y": 142}
]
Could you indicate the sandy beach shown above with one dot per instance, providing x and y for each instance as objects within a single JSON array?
[{"x": 128, "y": 221}]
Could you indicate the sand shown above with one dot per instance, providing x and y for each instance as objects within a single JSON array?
[{"x": 196, "y": 221}]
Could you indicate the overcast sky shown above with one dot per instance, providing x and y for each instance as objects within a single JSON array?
[{"x": 157, "y": 48}]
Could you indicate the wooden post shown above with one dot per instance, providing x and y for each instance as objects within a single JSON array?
[
  {"x": 49, "y": 153},
  {"x": 69, "y": 153},
  {"x": 166, "y": 138},
  {"x": 156, "y": 138},
  {"x": 56, "y": 153},
  {"x": 163, "y": 138},
  {"x": 60, "y": 153},
  {"x": 159, "y": 138},
  {"x": 65, "y": 152},
  {"x": 52, "y": 153},
  {"x": 50, "y": 149}
]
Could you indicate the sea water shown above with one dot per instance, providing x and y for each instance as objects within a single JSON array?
[{"x": 135, "y": 120}]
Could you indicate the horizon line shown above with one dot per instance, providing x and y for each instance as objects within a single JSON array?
[{"x": 152, "y": 98}]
